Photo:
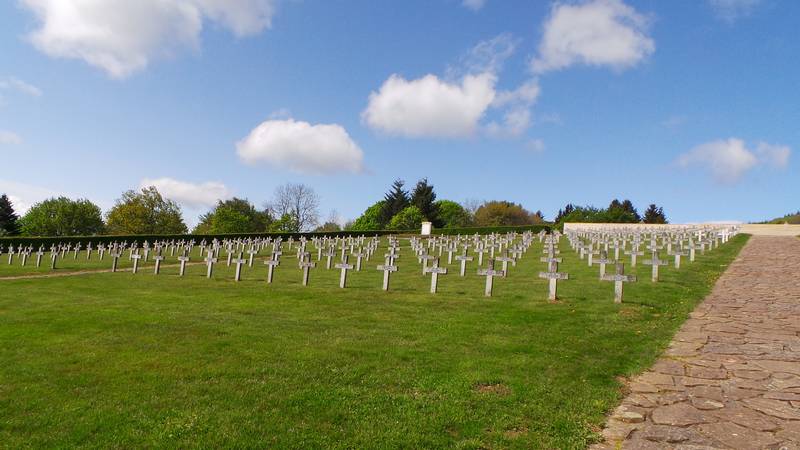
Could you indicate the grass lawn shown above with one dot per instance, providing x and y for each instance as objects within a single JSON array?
[{"x": 131, "y": 361}]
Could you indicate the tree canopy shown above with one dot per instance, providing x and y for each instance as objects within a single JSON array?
[
  {"x": 370, "y": 219},
  {"x": 145, "y": 212},
  {"x": 63, "y": 217},
  {"x": 453, "y": 215},
  {"x": 408, "y": 219},
  {"x": 236, "y": 215},
  {"x": 502, "y": 213}
]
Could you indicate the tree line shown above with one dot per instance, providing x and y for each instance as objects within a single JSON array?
[
  {"x": 293, "y": 208},
  {"x": 402, "y": 209},
  {"x": 617, "y": 212}
]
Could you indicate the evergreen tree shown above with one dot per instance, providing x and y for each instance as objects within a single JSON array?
[
  {"x": 654, "y": 214},
  {"x": 621, "y": 212},
  {"x": 8, "y": 218},
  {"x": 395, "y": 201},
  {"x": 627, "y": 205},
  {"x": 424, "y": 199},
  {"x": 564, "y": 212}
]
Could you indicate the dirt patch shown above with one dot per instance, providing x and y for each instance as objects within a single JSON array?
[
  {"x": 492, "y": 388},
  {"x": 514, "y": 433}
]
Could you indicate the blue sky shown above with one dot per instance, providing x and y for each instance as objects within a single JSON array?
[{"x": 692, "y": 105}]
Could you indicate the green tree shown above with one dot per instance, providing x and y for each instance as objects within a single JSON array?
[
  {"x": 236, "y": 215},
  {"x": 622, "y": 212},
  {"x": 453, "y": 215},
  {"x": 424, "y": 198},
  {"x": 654, "y": 214},
  {"x": 285, "y": 224},
  {"x": 145, "y": 212},
  {"x": 9, "y": 225},
  {"x": 63, "y": 217},
  {"x": 585, "y": 214},
  {"x": 370, "y": 219},
  {"x": 562, "y": 213},
  {"x": 502, "y": 213},
  {"x": 394, "y": 201},
  {"x": 408, "y": 219}
]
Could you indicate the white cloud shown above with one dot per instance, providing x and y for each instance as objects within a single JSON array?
[
  {"x": 485, "y": 57},
  {"x": 456, "y": 105},
  {"x": 429, "y": 106},
  {"x": 23, "y": 195},
  {"x": 728, "y": 160},
  {"x": 9, "y": 138},
  {"x": 596, "y": 33},
  {"x": 302, "y": 147},
  {"x": 123, "y": 36},
  {"x": 192, "y": 195},
  {"x": 474, "y": 5},
  {"x": 732, "y": 10},
  {"x": 20, "y": 86},
  {"x": 775, "y": 155}
]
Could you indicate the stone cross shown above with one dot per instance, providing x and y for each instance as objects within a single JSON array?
[
  {"x": 136, "y": 257},
  {"x": 463, "y": 258},
  {"x": 435, "y": 271},
  {"x": 677, "y": 254},
  {"x": 387, "y": 269},
  {"x": 603, "y": 260},
  {"x": 239, "y": 261},
  {"x": 210, "y": 261},
  {"x": 553, "y": 275},
  {"x": 618, "y": 279},
  {"x": 392, "y": 255},
  {"x": 490, "y": 273},
  {"x": 655, "y": 262},
  {"x": 39, "y": 255},
  {"x": 271, "y": 264},
  {"x": 552, "y": 263},
  {"x": 306, "y": 266},
  {"x": 329, "y": 257},
  {"x": 633, "y": 254},
  {"x": 425, "y": 259},
  {"x": 158, "y": 258},
  {"x": 505, "y": 259},
  {"x": 359, "y": 255},
  {"x": 344, "y": 267},
  {"x": 115, "y": 255},
  {"x": 183, "y": 259},
  {"x": 591, "y": 254},
  {"x": 252, "y": 252}
]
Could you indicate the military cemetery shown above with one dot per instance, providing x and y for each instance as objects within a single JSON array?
[{"x": 424, "y": 224}]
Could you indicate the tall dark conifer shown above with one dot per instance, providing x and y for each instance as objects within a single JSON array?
[
  {"x": 395, "y": 201},
  {"x": 654, "y": 214},
  {"x": 424, "y": 198},
  {"x": 9, "y": 224}
]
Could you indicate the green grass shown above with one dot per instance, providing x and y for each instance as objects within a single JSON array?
[{"x": 129, "y": 361}]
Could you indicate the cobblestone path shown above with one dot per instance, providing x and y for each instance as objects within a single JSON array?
[{"x": 731, "y": 376}]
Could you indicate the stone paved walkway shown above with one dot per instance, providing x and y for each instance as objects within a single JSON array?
[{"x": 731, "y": 377}]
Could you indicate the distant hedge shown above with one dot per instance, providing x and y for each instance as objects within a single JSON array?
[
  {"x": 140, "y": 238},
  {"x": 488, "y": 230}
]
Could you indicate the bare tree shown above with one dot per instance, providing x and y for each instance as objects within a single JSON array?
[
  {"x": 299, "y": 202},
  {"x": 472, "y": 205}
]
